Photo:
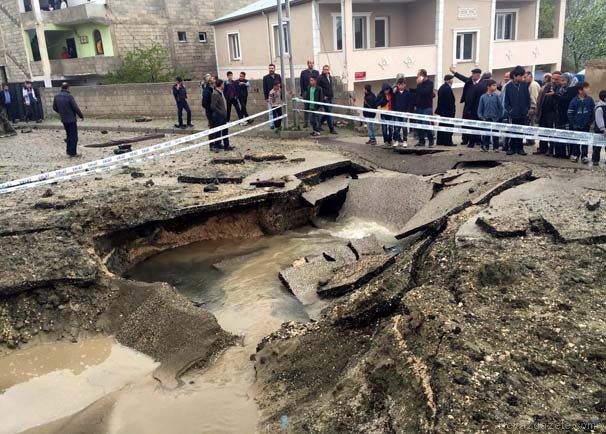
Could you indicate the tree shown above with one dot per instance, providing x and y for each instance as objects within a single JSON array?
[
  {"x": 584, "y": 35},
  {"x": 547, "y": 19},
  {"x": 142, "y": 65}
]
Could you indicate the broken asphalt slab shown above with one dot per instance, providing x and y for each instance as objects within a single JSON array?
[{"x": 327, "y": 190}]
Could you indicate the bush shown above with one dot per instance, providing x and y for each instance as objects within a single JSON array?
[{"x": 143, "y": 65}]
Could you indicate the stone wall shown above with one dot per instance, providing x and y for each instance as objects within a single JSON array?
[
  {"x": 595, "y": 75},
  {"x": 154, "y": 100}
]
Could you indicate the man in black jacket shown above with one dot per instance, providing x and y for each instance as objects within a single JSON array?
[
  {"x": 370, "y": 102},
  {"x": 547, "y": 111},
  {"x": 65, "y": 104},
  {"x": 306, "y": 74},
  {"x": 473, "y": 101},
  {"x": 180, "y": 94},
  {"x": 517, "y": 104},
  {"x": 466, "y": 98},
  {"x": 314, "y": 93},
  {"x": 207, "y": 94},
  {"x": 424, "y": 105},
  {"x": 446, "y": 108},
  {"x": 325, "y": 82},
  {"x": 268, "y": 85},
  {"x": 243, "y": 85},
  {"x": 218, "y": 107},
  {"x": 231, "y": 95}
]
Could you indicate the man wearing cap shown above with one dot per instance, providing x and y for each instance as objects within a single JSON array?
[
  {"x": 467, "y": 99},
  {"x": 446, "y": 108}
]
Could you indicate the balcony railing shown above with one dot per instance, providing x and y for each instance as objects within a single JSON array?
[{"x": 97, "y": 65}]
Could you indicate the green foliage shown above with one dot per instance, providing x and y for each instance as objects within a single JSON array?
[
  {"x": 143, "y": 65},
  {"x": 547, "y": 17},
  {"x": 585, "y": 32}
]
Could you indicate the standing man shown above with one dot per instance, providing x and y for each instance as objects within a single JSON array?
[
  {"x": 505, "y": 118},
  {"x": 466, "y": 98},
  {"x": 533, "y": 89},
  {"x": 180, "y": 94},
  {"x": 517, "y": 104},
  {"x": 243, "y": 86},
  {"x": 325, "y": 82},
  {"x": 490, "y": 109},
  {"x": 306, "y": 75},
  {"x": 6, "y": 102},
  {"x": 6, "y": 129},
  {"x": 547, "y": 112},
  {"x": 268, "y": 85},
  {"x": 30, "y": 100},
  {"x": 425, "y": 96},
  {"x": 231, "y": 95},
  {"x": 218, "y": 107},
  {"x": 207, "y": 94},
  {"x": 65, "y": 104},
  {"x": 401, "y": 102},
  {"x": 564, "y": 94},
  {"x": 581, "y": 115},
  {"x": 370, "y": 101},
  {"x": 446, "y": 108}
]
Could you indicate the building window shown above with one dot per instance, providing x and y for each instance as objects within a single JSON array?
[
  {"x": 202, "y": 37},
  {"x": 360, "y": 31},
  {"x": 381, "y": 32},
  {"x": 233, "y": 40},
  {"x": 98, "y": 43},
  {"x": 182, "y": 36},
  {"x": 465, "y": 46},
  {"x": 277, "y": 40},
  {"x": 505, "y": 26},
  {"x": 338, "y": 35}
]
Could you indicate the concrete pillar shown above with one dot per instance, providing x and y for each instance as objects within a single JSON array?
[
  {"x": 559, "y": 27},
  {"x": 439, "y": 42},
  {"x": 347, "y": 25},
  {"x": 46, "y": 67}
]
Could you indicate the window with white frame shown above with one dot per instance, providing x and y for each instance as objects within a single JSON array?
[
  {"x": 381, "y": 32},
  {"x": 277, "y": 40},
  {"x": 466, "y": 46},
  {"x": 505, "y": 26},
  {"x": 202, "y": 37},
  {"x": 233, "y": 40},
  {"x": 337, "y": 25},
  {"x": 360, "y": 34}
]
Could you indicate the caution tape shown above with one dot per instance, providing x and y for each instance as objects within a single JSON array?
[
  {"x": 470, "y": 126},
  {"x": 124, "y": 163},
  {"x": 443, "y": 127},
  {"x": 128, "y": 156}
]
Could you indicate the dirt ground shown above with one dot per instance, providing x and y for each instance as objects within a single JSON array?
[{"x": 489, "y": 327}]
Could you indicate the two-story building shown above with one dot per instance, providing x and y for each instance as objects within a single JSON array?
[
  {"x": 372, "y": 41},
  {"x": 81, "y": 40}
]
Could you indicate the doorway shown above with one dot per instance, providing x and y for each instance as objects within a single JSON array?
[{"x": 71, "y": 48}]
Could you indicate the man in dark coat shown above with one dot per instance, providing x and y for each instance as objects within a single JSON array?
[
  {"x": 547, "y": 111},
  {"x": 314, "y": 93},
  {"x": 326, "y": 84},
  {"x": 306, "y": 75},
  {"x": 243, "y": 86},
  {"x": 268, "y": 85},
  {"x": 65, "y": 104},
  {"x": 466, "y": 98},
  {"x": 207, "y": 94},
  {"x": 180, "y": 94},
  {"x": 517, "y": 104},
  {"x": 446, "y": 108},
  {"x": 231, "y": 95},
  {"x": 473, "y": 101},
  {"x": 218, "y": 107}
]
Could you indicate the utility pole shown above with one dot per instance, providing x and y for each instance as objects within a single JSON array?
[
  {"x": 281, "y": 44},
  {"x": 291, "y": 61}
]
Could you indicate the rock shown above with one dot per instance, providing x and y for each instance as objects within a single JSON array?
[
  {"x": 326, "y": 190},
  {"x": 119, "y": 151},
  {"x": 592, "y": 203},
  {"x": 297, "y": 160},
  {"x": 218, "y": 179},
  {"x": 125, "y": 146},
  {"x": 470, "y": 234},
  {"x": 149, "y": 183},
  {"x": 76, "y": 228},
  {"x": 48, "y": 193},
  {"x": 136, "y": 175},
  {"x": 352, "y": 276},
  {"x": 26, "y": 130},
  {"x": 461, "y": 379},
  {"x": 304, "y": 280},
  {"x": 228, "y": 159},
  {"x": 143, "y": 119},
  {"x": 211, "y": 188},
  {"x": 342, "y": 254},
  {"x": 19, "y": 325},
  {"x": 498, "y": 273},
  {"x": 279, "y": 183},
  {"x": 265, "y": 156},
  {"x": 366, "y": 246},
  {"x": 104, "y": 131},
  {"x": 44, "y": 205}
]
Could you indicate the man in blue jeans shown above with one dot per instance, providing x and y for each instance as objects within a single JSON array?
[
  {"x": 180, "y": 94},
  {"x": 424, "y": 105},
  {"x": 65, "y": 104}
]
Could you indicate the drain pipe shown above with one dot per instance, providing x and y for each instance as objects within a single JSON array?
[
  {"x": 281, "y": 43},
  {"x": 291, "y": 61}
]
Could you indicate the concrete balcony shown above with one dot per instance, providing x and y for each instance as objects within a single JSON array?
[
  {"x": 383, "y": 63},
  {"x": 97, "y": 65},
  {"x": 528, "y": 52},
  {"x": 94, "y": 12}
]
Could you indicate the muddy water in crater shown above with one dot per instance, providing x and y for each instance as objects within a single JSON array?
[{"x": 237, "y": 280}]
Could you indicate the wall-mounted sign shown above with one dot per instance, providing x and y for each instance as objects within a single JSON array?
[
  {"x": 467, "y": 13},
  {"x": 360, "y": 76}
]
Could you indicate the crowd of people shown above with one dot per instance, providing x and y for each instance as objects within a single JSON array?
[{"x": 561, "y": 102}]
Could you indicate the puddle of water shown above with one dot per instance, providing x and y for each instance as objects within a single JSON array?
[{"x": 48, "y": 382}]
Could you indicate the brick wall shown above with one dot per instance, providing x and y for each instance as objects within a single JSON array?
[
  {"x": 154, "y": 100},
  {"x": 12, "y": 41}
]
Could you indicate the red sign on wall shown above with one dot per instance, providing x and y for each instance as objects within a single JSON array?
[{"x": 360, "y": 76}]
